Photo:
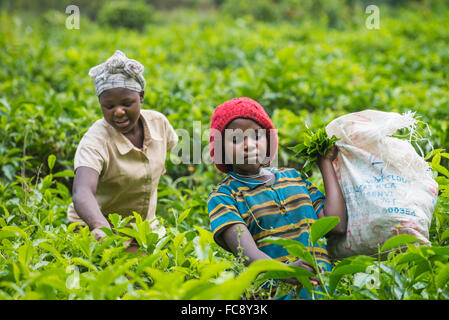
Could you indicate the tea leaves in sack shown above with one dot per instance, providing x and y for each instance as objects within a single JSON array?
[{"x": 387, "y": 186}]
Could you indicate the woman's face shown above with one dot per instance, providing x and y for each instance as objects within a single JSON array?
[
  {"x": 245, "y": 146},
  {"x": 121, "y": 108}
]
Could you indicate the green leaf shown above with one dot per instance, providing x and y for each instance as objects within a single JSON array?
[
  {"x": 293, "y": 247},
  {"x": 138, "y": 218},
  {"x": 410, "y": 257},
  {"x": 442, "y": 278},
  {"x": 295, "y": 272},
  {"x": 441, "y": 169},
  {"x": 16, "y": 230},
  {"x": 54, "y": 251},
  {"x": 321, "y": 227},
  {"x": 7, "y": 234},
  {"x": 9, "y": 171},
  {"x": 25, "y": 252},
  {"x": 348, "y": 269},
  {"x": 147, "y": 261},
  {"x": 445, "y": 155},
  {"x": 83, "y": 262},
  {"x": 107, "y": 231},
  {"x": 129, "y": 232},
  {"x": 432, "y": 153},
  {"x": 398, "y": 241},
  {"x": 342, "y": 270},
  {"x": 183, "y": 215},
  {"x": 72, "y": 227},
  {"x": 421, "y": 268},
  {"x": 233, "y": 288},
  {"x": 51, "y": 161},
  {"x": 445, "y": 235},
  {"x": 118, "y": 221},
  {"x": 65, "y": 173},
  {"x": 115, "y": 219},
  {"x": 206, "y": 237},
  {"x": 193, "y": 287},
  {"x": 314, "y": 145}
]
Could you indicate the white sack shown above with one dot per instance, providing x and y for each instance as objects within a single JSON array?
[{"x": 387, "y": 186}]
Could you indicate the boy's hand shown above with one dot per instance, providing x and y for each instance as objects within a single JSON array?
[
  {"x": 302, "y": 264},
  {"x": 314, "y": 281},
  {"x": 335, "y": 205},
  {"x": 332, "y": 155}
]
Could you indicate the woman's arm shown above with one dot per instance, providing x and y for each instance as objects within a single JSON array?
[
  {"x": 335, "y": 205},
  {"x": 84, "y": 189},
  {"x": 238, "y": 238}
]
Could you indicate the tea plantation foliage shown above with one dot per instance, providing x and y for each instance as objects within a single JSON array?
[{"x": 305, "y": 72}]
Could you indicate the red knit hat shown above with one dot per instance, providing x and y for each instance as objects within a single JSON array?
[{"x": 240, "y": 108}]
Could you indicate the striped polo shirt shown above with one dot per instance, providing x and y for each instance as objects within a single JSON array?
[{"x": 283, "y": 209}]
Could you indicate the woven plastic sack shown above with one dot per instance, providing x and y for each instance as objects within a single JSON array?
[{"x": 387, "y": 186}]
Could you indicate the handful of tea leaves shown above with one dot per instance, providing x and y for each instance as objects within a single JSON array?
[{"x": 315, "y": 144}]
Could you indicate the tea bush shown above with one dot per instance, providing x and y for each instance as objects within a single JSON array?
[
  {"x": 128, "y": 14},
  {"x": 304, "y": 72}
]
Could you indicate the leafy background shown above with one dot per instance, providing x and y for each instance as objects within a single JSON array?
[{"x": 306, "y": 62}]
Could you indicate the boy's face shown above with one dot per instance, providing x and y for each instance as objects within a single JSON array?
[
  {"x": 121, "y": 108},
  {"x": 245, "y": 146}
]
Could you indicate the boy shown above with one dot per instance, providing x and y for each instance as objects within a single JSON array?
[{"x": 257, "y": 201}]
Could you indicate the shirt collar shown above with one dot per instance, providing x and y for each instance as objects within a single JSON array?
[
  {"x": 124, "y": 145},
  {"x": 252, "y": 183}
]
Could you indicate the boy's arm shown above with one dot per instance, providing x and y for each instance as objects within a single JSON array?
[
  {"x": 238, "y": 238},
  {"x": 84, "y": 189},
  {"x": 335, "y": 203}
]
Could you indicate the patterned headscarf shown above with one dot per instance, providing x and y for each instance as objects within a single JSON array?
[{"x": 118, "y": 72}]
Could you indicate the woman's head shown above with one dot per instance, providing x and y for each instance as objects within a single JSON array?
[
  {"x": 121, "y": 108},
  {"x": 242, "y": 137},
  {"x": 118, "y": 72},
  {"x": 120, "y": 85}
]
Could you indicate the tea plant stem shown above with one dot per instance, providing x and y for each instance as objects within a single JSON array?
[
  {"x": 22, "y": 173},
  {"x": 433, "y": 278},
  {"x": 318, "y": 272}
]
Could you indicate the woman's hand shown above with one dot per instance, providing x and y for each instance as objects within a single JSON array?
[
  {"x": 98, "y": 234},
  {"x": 84, "y": 189}
]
